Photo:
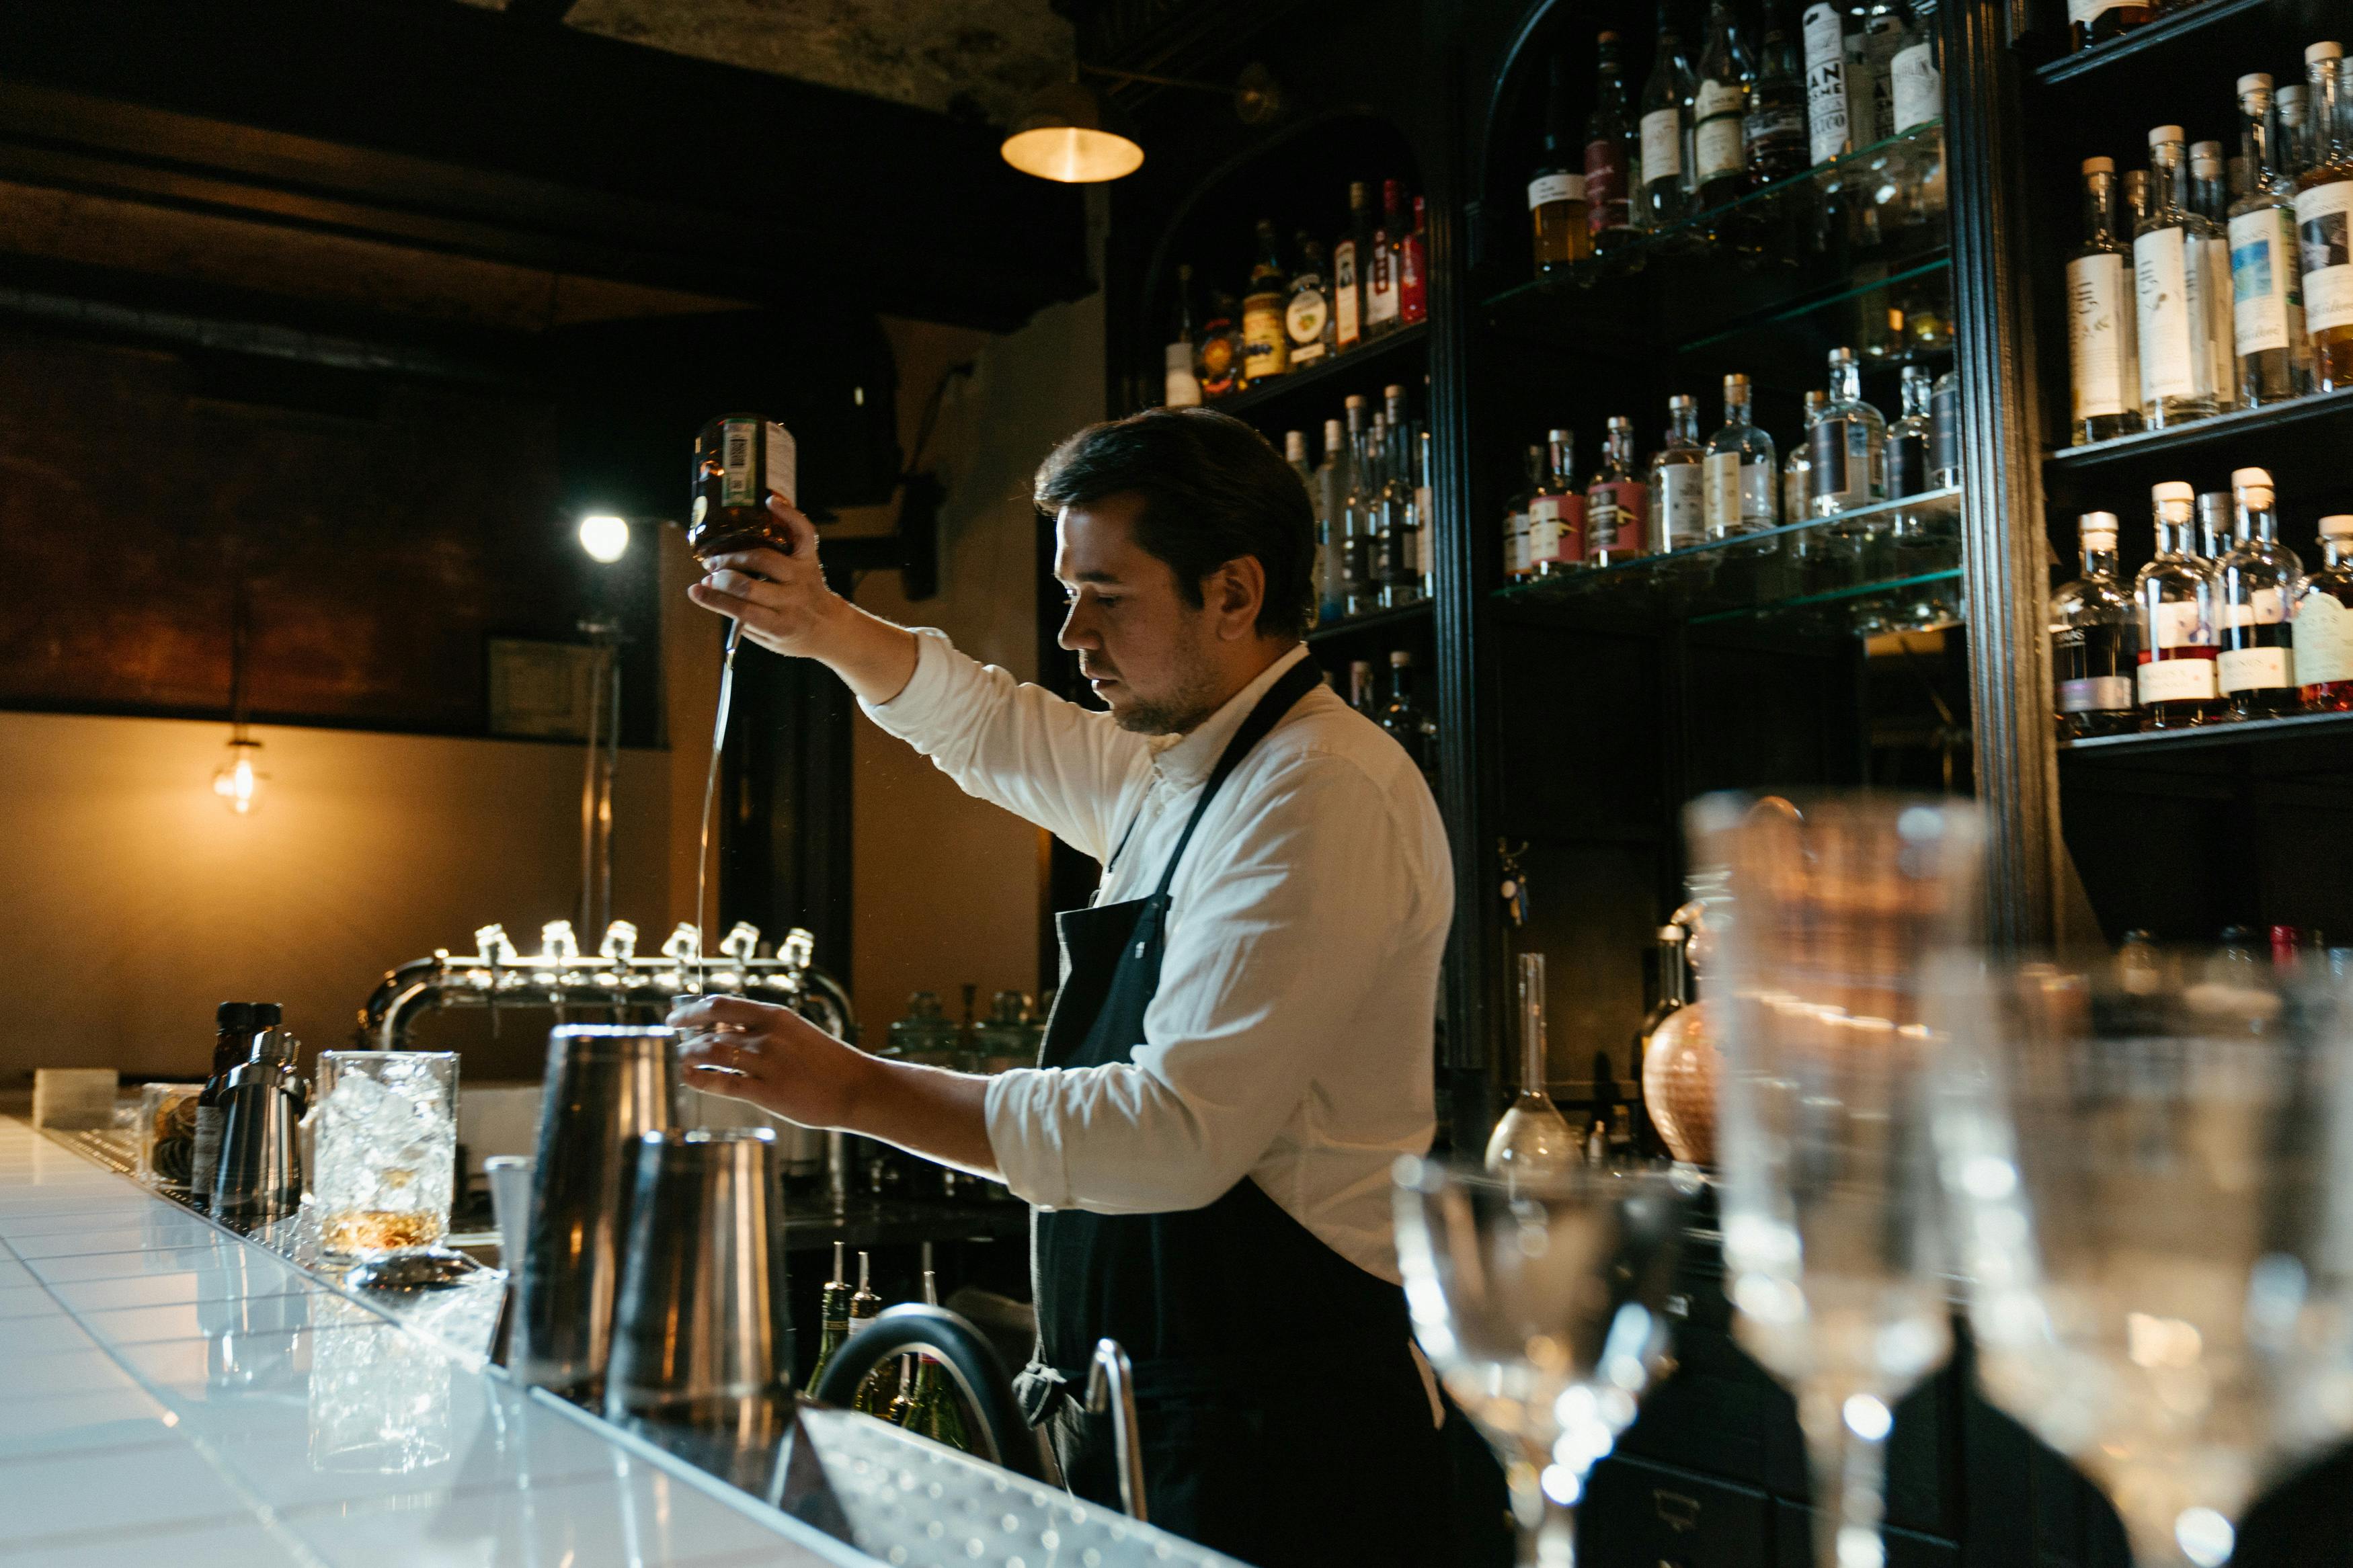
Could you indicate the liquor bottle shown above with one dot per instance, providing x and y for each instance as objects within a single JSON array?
[
  {"x": 1874, "y": 106},
  {"x": 1666, "y": 125},
  {"x": 1617, "y": 504},
  {"x": 1266, "y": 350},
  {"x": 1330, "y": 505},
  {"x": 2170, "y": 284},
  {"x": 1739, "y": 462},
  {"x": 1833, "y": 35},
  {"x": 2262, "y": 580},
  {"x": 2175, "y": 617},
  {"x": 1401, "y": 564},
  {"x": 1361, "y": 694},
  {"x": 1945, "y": 439},
  {"x": 2093, "y": 22},
  {"x": 1518, "y": 565},
  {"x": 1558, "y": 195},
  {"x": 1382, "y": 298},
  {"x": 1608, "y": 209},
  {"x": 1910, "y": 439},
  {"x": 1406, "y": 723},
  {"x": 2272, "y": 350},
  {"x": 1348, "y": 259},
  {"x": 2211, "y": 201},
  {"x": 1849, "y": 444},
  {"x": 2091, "y": 639},
  {"x": 1916, "y": 104},
  {"x": 1720, "y": 109},
  {"x": 1294, "y": 452},
  {"x": 234, "y": 1026},
  {"x": 1797, "y": 467},
  {"x": 1413, "y": 268},
  {"x": 938, "y": 1409},
  {"x": 1556, "y": 513},
  {"x": 1774, "y": 138},
  {"x": 2324, "y": 623},
  {"x": 2103, "y": 368},
  {"x": 1180, "y": 386},
  {"x": 1219, "y": 364},
  {"x": 1360, "y": 515},
  {"x": 833, "y": 1316},
  {"x": 2324, "y": 215},
  {"x": 1532, "y": 1142},
  {"x": 1307, "y": 326},
  {"x": 880, "y": 1385},
  {"x": 1679, "y": 478}
]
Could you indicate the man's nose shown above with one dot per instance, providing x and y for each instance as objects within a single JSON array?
[{"x": 1078, "y": 631}]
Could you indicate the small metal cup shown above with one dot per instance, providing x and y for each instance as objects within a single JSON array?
[
  {"x": 608, "y": 1085},
  {"x": 703, "y": 1333}
]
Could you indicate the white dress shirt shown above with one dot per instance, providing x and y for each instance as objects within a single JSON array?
[{"x": 1290, "y": 1040}]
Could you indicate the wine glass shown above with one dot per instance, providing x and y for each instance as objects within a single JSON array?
[
  {"x": 2147, "y": 1182},
  {"x": 1541, "y": 1302},
  {"x": 1828, "y": 1182}
]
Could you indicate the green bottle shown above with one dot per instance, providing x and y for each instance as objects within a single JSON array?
[
  {"x": 833, "y": 1319},
  {"x": 936, "y": 1410},
  {"x": 881, "y": 1384}
]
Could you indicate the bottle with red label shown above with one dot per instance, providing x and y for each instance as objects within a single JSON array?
[
  {"x": 1413, "y": 268},
  {"x": 1617, "y": 501},
  {"x": 1556, "y": 511},
  {"x": 1382, "y": 296},
  {"x": 1608, "y": 131},
  {"x": 2176, "y": 609}
]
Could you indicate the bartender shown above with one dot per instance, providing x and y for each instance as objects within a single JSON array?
[{"x": 1242, "y": 1045}]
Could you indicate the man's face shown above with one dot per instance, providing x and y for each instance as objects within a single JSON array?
[{"x": 1145, "y": 649}]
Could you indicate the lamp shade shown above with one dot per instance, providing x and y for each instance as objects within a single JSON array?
[{"x": 1068, "y": 134}]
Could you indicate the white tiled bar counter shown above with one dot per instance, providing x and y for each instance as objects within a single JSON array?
[{"x": 171, "y": 1393}]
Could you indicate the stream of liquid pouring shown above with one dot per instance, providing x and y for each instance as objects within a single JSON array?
[{"x": 710, "y": 796}]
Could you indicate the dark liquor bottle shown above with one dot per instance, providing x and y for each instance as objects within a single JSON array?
[
  {"x": 740, "y": 460},
  {"x": 1666, "y": 130},
  {"x": 2176, "y": 616},
  {"x": 1720, "y": 109},
  {"x": 1180, "y": 388},
  {"x": 1609, "y": 185},
  {"x": 1413, "y": 268},
  {"x": 1945, "y": 439},
  {"x": 1406, "y": 723},
  {"x": 2102, "y": 369},
  {"x": 233, "y": 1031},
  {"x": 2324, "y": 215},
  {"x": 1307, "y": 317},
  {"x": 1363, "y": 695},
  {"x": 2324, "y": 623},
  {"x": 1266, "y": 350},
  {"x": 2093, "y": 22},
  {"x": 1349, "y": 259},
  {"x": 1217, "y": 365},
  {"x": 1773, "y": 137},
  {"x": 2091, "y": 641},
  {"x": 1617, "y": 502},
  {"x": 2262, "y": 580},
  {"x": 1557, "y": 193},
  {"x": 1518, "y": 564},
  {"x": 1384, "y": 300},
  {"x": 833, "y": 1305}
]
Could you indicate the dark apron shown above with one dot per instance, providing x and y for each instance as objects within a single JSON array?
[{"x": 1281, "y": 1417}]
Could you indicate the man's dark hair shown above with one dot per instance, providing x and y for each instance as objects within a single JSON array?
[{"x": 1213, "y": 492}]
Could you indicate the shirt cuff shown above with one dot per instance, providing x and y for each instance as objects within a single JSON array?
[
  {"x": 1024, "y": 1138},
  {"x": 919, "y": 704}
]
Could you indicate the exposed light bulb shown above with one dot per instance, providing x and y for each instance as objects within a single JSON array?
[
  {"x": 605, "y": 537},
  {"x": 238, "y": 783}
]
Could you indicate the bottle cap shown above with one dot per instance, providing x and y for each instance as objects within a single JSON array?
[
  {"x": 1356, "y": 400},
  {"x": 2326, "y": 49},
  {"x": 1673, "y": 933},
  {"x": 1733, "y": 381},
  {"x": 1559, "y": 436},
  {"x": 2171, "y": 489},
  {"x": 1364, "y": 664},
  {"x": 268, "y": 1015},
  {"x": 1606, "y": 38},
  {"x": 2254, "y": 81},
  {"x": 2249, "y": 479},
  {"x": 1681, "y": 401},
  {"x": 1394, "y": 389},
  {"x": 1294, "y": 445},
  {"x": 1331, "y": 432},
  {"x": 1619, "y": 422},
  {"x": 2206, "y": 159},
  {"x": 236, "y": 1016},
  {"x": 2337, "y": 527},
  {"x": 1841, "y": 357},
  {"x": 2159, "y": 135},
  {"x": 2293, "y": 93},
  {"x": 1400, "y": 659},
  {"x": 2094, "y": 523},
  {"x": 2099, "y": 165},
  {"x": 1817, "y": 399},
  {"x": 2216, "y": 510}
]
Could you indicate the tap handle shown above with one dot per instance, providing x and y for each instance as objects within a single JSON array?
[{"x": 1110, "y": 1388}]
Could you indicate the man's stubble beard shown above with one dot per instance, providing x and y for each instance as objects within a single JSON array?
[{"x": 1185, "y": 710}]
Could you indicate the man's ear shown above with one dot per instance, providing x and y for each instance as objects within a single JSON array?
[{"x": 1236, "y": 591}]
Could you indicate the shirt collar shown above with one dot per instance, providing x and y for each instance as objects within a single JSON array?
[{"x": 1186, "y": 760}]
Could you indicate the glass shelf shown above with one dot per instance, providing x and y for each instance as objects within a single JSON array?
[
  {"x": 2155, "y": 35},
  {"x": 2217, "y": 429},
  {"x": 2222, "y": 732},
  {"x": 1391, "y": 619},
  {"x": 1852, "y": 561},
  {"x": 1323, "y": 373}
]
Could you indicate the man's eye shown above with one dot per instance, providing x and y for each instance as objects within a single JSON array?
[{"x": 1108, "y": 601}]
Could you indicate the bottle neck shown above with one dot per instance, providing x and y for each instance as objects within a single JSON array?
[
  {"x": 2335, "y": 549},
  {"x": 1562, "y": 456},
  {"x": 2174, "y": 537},
  {"x": 2256, "y": 522},
  {"x": 1531, "y": 1046},
  {"x": 1620, "y": 448},
  {"x": 1846, "y": 383},
  {"x": 1685, "y": 425},
  {"x": 2329, "y": 139},
  {"x": 1735, "y": 408},
  {"x": 2257, "y": 143},
  {"x": 1402, "y": 685},
  {"x": 1917, "y": 389},
  {"x": 2168, "y": 184},
  {"x": 2100, "y": 210},
  {"x": 2099, "y": 555}
]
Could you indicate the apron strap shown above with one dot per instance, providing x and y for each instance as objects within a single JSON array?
[{"x": 1297, "y": 681}]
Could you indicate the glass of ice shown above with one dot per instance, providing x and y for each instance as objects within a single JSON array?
[{"x": 386, "y": 1150}]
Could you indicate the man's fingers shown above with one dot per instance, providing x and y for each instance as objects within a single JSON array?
[
  {"x": 705, "y": 1012},
  {"x": 803, "y": 531},
  {"x": 723, "y": 1053},
  {"x": 743, "y": 585},
  {"x": 768, "y": 565}
]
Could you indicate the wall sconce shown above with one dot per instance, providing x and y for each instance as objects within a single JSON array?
[{"x": 605, "y": 537}]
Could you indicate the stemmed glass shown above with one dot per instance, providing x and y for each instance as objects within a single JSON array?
[
  {"x": 1540, "y": 1298},
  {"x": 2140, "y": 1169},
  {"x": 1828, "y": 1182}
]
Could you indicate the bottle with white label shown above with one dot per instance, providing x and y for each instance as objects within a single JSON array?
[
  {"x": 1720, "y": 108},
  {"x": 1740, "y": 468},
  {"x": 1832, "y": 33},
  {"x": 1360, "y": 542},
  {"x": 1556, "y": 195},
  {"x": 1679, "y": 478},
  {"x": 2274, "y": 353},
  {"x": 1664, "y": 197},
  {"x": 2170, "y": 265},
  {"x": 2176, "y": 612},
  {"x": 1348, "y": 271},
  {"x": 1180, "y": 388},
  {"x": 2324, "y": 624},
  {"x": 2091, "y": 641},
  {"x": 2102, "y": 376},
  {"x": 2324, "y": 216},
  {"x": 2210, "y": 198},
  {"x": 1916, "y": 107},
  {"x": 1850, "y": 444},
  {"x": 2262, "y": 580}
]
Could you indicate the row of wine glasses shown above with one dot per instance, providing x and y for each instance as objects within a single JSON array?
[{"x": 2140, "y": 1194}]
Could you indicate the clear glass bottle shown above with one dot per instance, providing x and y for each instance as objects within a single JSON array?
[
  {"x": 1666, "y": 128},
  {"x": 1774, "y": 137},
  {"x": 1558, "y": 190},
  {"x": 1401, "y": 522},
  {"x": 2210, "y": 199},
  {"x": 1832, "y": 34},
  {"x": 2295, "y": 145},
  {"x": 1911, "y": 438},
  {"x": 2104, "y": 371},
  {"x": 2324, "y": 208},
  {"x": 1617, "y": 503},
  {"x": 2092, "y": 640},
  {"x": 1518, "y": 564},
  {"x": 1944, "y": 444},
  {"x": 1882, "y": 35},
  {"x": 2262, "y": 580},
  {"x": 1532, "y": 1141},
  {"x": 1610, "y": 138},
  {"x": 2324, "y": 623},
  {"x": 1797, "y": 467},
  {"x": 2175, "y": 619},
  {"x": 2272, "y": 350},
  {"x": 1360, "y": 515},
  {"x": 1679, "y": 480},
  {"x": 1180, "y": 388},
  {"x": 1720, "y": 109},
  {"x": 1556, "y": 514},
  {"x": 2170, "y": 292},
  {"x": 1916, "y": 101},
  {"x": 1850, "y": 444},
  {"x": 1331, "y": 527},
  {"x": 1739, "y": 468},
  {"x": 1405, "y": 719}
]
